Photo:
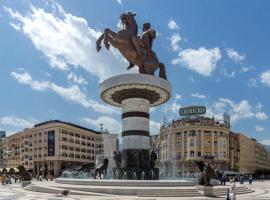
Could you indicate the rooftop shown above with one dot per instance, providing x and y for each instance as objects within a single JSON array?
[{"x": 67, "y": 123}]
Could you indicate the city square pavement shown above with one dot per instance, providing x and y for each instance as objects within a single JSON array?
[{"x": 16, "y": 192}]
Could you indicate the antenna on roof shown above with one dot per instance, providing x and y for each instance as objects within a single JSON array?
[{"x": 101, "y": 127}]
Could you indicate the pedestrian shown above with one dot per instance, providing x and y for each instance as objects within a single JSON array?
[
  {"x": 223, "y": 179},
  {"x": 250, "y": 179},
  {"x": 228, "y": 194},
  {"x": 241, "y": 179},
  {"x": 233, "y": 189}
]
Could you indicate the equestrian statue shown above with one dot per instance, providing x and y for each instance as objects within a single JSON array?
[{"x": 137, "y": 50}]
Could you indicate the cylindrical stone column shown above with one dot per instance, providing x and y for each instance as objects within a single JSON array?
[
  {"x": 135, "y": 133},
  {"x": 135, "y": 94}
]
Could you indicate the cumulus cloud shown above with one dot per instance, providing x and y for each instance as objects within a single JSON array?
[
  {"x": 202, "y": 60},
  {"x": 197, "y": 95},
  {"x": 261, "y": 116},
  {"x": 77, "y": 79},
  {"x": 234, "y": 55},
  {"x": 173, "y": 25},
  {"x": 259, "y": 128},
  {"x": 265, "y": 78},
  {"x": 237, "y": 111},
  {"x": 112, "y": 125},
  {"x": 154, "y": 127},
  {"x": 227, "y": 73},
  {"x": 119, "y": 2},
  {"x": 252, "y": 82},
  {"x": 71, "y": 94},
  {"x": 245, "y": 69},
  {"x": 265, "y": 142},
  {"x": 177, "y": 96},
  {"x": 66, "y": 41},
  {"x": 18, "y": 122},
  {"x": 174, "y": 40}
]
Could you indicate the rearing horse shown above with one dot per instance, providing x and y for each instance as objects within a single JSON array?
[{"x": 125, "y": 42}]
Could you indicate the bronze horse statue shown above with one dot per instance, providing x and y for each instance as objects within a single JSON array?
[
  {"x": 102, "y": 170},
  {"x": 25, "y": 175},
  {"x": 126, "y": 41}
]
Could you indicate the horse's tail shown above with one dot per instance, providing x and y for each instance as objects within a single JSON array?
[{"x": 162, "y": 71}]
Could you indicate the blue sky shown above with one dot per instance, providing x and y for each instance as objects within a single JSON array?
[{"x": 216, "y": 54}]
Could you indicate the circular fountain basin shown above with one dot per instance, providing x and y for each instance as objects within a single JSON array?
[{"x": 127, "y": 183}]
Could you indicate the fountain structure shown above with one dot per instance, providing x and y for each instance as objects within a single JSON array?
[{"x": 135, "y": 94}]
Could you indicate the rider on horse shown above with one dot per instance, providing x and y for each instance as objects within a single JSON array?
[{"x": 145, "y": 41}]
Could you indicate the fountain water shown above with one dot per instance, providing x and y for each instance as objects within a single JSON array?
[{"x": 143, "y": 177}]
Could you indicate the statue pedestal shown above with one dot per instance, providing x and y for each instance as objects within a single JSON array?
[
  {"x": 25, "y": 183},
  {"x": 135, "y": 94},
  {"x": 208, "y": 191}
]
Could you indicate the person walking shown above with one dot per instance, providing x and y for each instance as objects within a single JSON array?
[
  {"x": 228, "y": 197},
  {"x": 250, "y": 179},
  {"x": 233, "y": 189},
  {"x": 223, "y": 179}
]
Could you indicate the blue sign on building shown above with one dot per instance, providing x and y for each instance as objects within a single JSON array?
[
  {"x": 2, "y": 134},
  {"x": 51, "y": 143}
]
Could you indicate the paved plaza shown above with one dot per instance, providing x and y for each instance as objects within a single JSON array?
[{"x": 15, "y": 192}]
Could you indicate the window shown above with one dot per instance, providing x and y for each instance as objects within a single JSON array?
[
  {"x": 192, "y": 154},
  {"x": 178, "y": 134},
  {"x": 192, "y": 144}
]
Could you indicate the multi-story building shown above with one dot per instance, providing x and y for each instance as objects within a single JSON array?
[
  {"x": 247, "y": 163},
  {"x": 192, "y": 139},
  {"x": 234, "y": 152},
  {"x": 253, "y": 155},
  {"x": 109, "y": 147},
  {"x": 262, "y": 159},
  {"x": 51, "y": 146},
  {"x": 2, "y": 151}
]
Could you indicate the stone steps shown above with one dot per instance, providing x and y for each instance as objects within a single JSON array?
[
  {"x": 169, "y": 193},
  {"x": 54, "y": 190},
  {"x": 239, "y": 190}
]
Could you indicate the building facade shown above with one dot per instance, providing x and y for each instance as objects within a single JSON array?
[
  {"x": 253, "y": 155},
  {"x": 193, "y": 139},
  {"x": 234, "y": 152},
  {"x": 52, "y": 146}
]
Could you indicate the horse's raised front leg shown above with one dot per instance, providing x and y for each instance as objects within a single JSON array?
[
  {"x": 106, "y": 36},
  {"x": 98, "y": 42}
]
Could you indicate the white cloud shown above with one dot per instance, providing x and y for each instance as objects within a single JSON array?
[
  {"x": 237, "y": 111},
  {"x": 252, "y": 82},
  {"x": 177, "y": 96},
  {"x": 18, "y": 122},
  {"x": 259, "y": 128},
  {"x": 71, "y": 94},
  {"x": 228, "y": 74},
  {"x": 172, "y": 25},
  {"x": 265, "y": 78},
  {"x": 266, "y": 142},
  {"x": 174, "y": 40},
  {"x": 259, "y": 106},
  {"x": 246, "y": 69},
  {"x": 202, "y": 61},
  {"x": 154, "y": 127},
  {"x": 234, "y": 55},
  {"x": 77, "y": 79},
  {"x": 197, "y": 95},
  {"x": 119, "y": 2},
  {"x": 261, "y": 116},
  {"x": 67, "y": 41},
  {"x": 112, "y": 125}
]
